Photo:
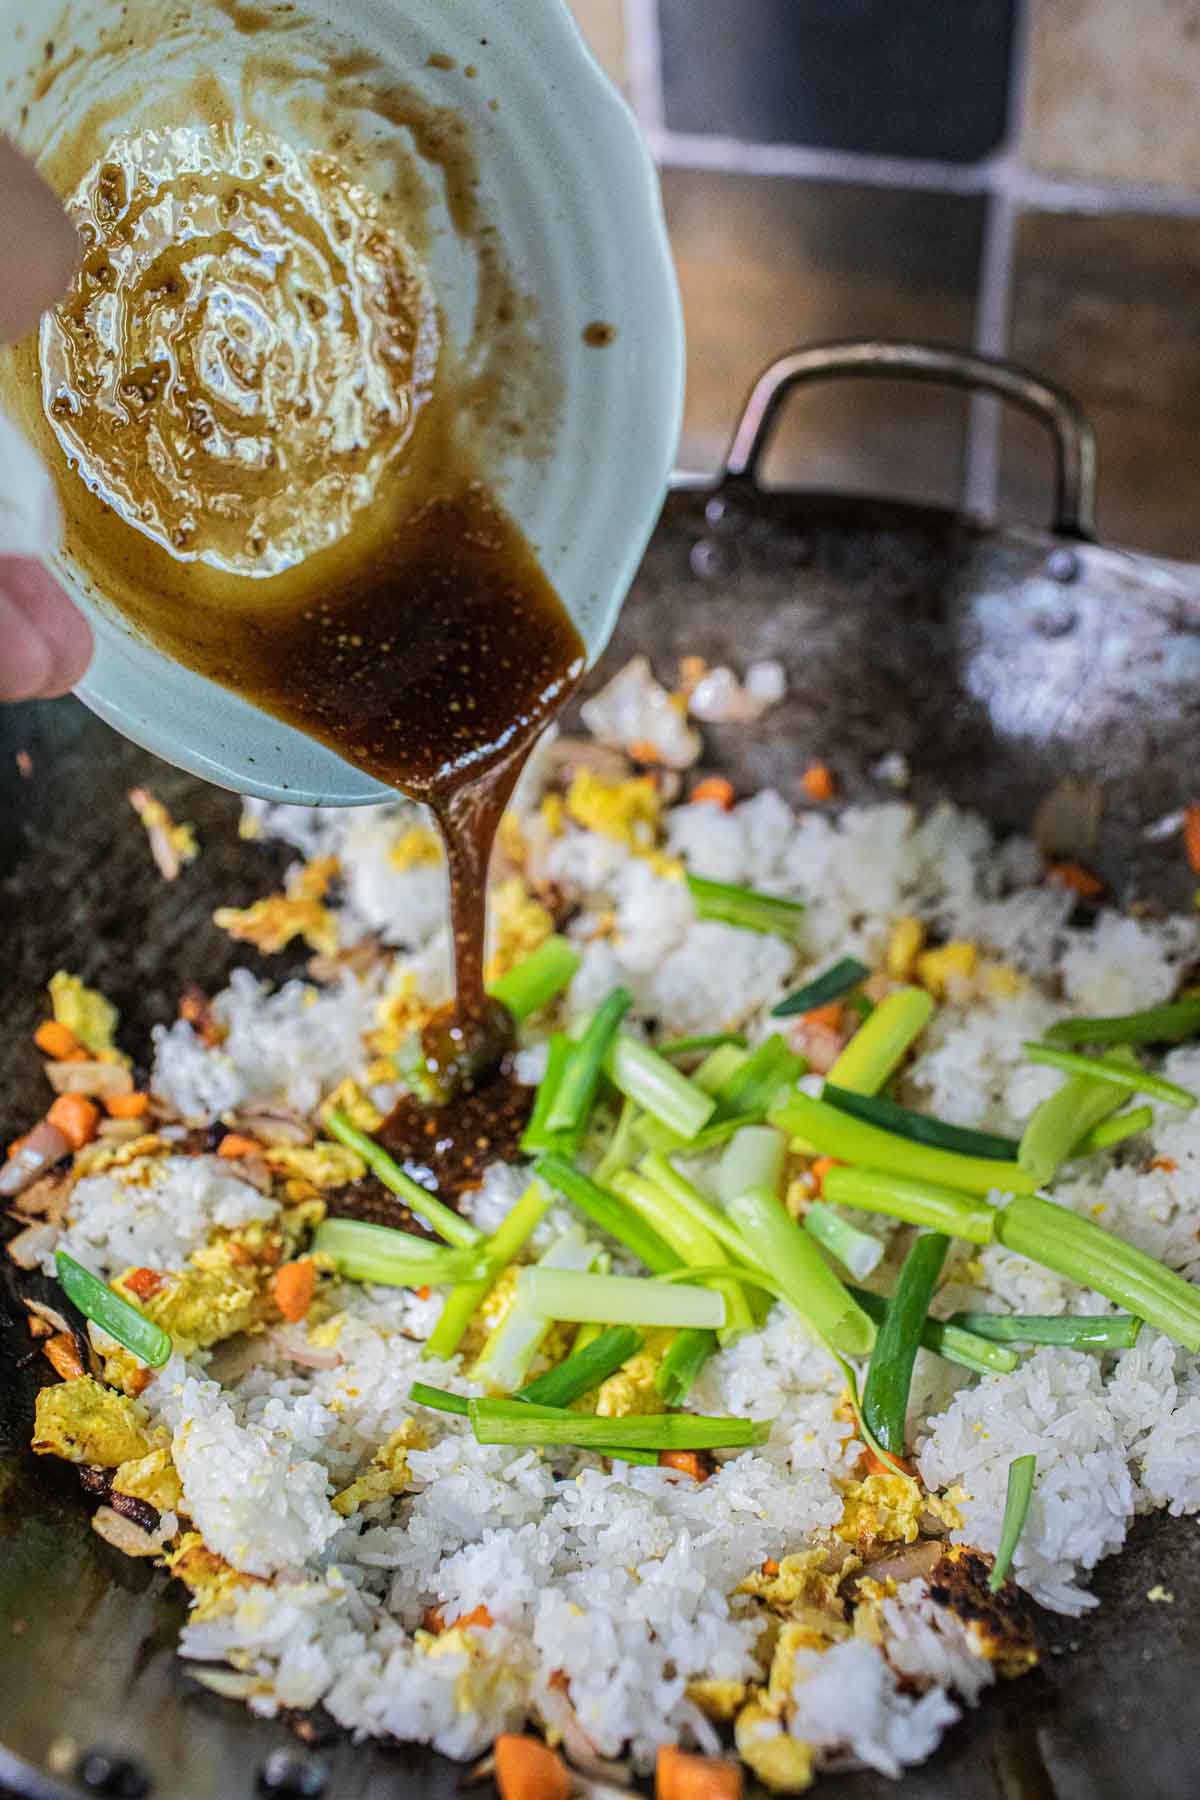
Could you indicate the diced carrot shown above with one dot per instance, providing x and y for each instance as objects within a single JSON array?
[
  {"x": 1167, "y": 1164},
  {"x": 817, "y": 782},
  {"x": 58, "y": 1041},
  {"x": 478, "y": 1616},
  {"x": 127, "y": 1106},
  {"x": 679, "y": 1776},
  {"x": 293, "y": 1287},
  {"x": 686, "y": 1461},
  {"x": 819, "y": 1169},
  {"x": 143, "y": 1282},
  {"x": 770, "y": 1568},
  {"x": 434, "y": 1620},
  {"x": 830, "y": 1016},
  {"x": 423, "y": 1293},
  {"x": 1081, "y": 881},
  {"x": 643, "y": 751},
  {"x": 887, "y": 1464},
  {"x": 526, "y": 1769},
  {"x": 233, "y": 1145},
  {"x": 63, "y": 1354},
  {"x": 714, "y": 791},
  {"x": 76, "y": 1117},
  {"x": 1191, "y": 836}
]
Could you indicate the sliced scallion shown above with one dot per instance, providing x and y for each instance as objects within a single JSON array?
[
  {"x": 1062, "y": 1118},
  {"x": 795, "y": 1263},
  {"x": 858, "y": 1251},
  {"x": 511, "y": 1347},
  {"x": 1103, "y": 1068},
  {"x": 501, "y": 1248},
  {"x": 665, "y": 1175},
  {"x": 1021, "y": 1473},
  {"x": 916, "y": 1202},
  {"x": 610, "y": 1213},
  {"x": 719, "y": 1066},
  {"x": 769, "y": 1068},
  {"x": 852, "y": 1140},
  {"x": 516, "y": 1422},
  {"x": 1169, "y": 1024},
  {"x": 882, "y": 1042},
  {"x": 702, "y": 1042},
  {"x": 830, "y": 985},
  {"x": 538, "y": 1134},
  {"x": 657, "y": 1086},
  {"x": 622, "y": 1146},
  {"x": 439, "y": 1398},
  {"x": 889, "y": 1375},
  {"x": 746, "y": 907},
  {"x": 1084, "y": 1252},
  {"x": 617, "y": 1299},
  {"x": 692, "y": 1242},
  {"x": 363, "y": 1252},
  {"x": 919, "y": 1128},
  {"x": 436, "y": 1214},
  {"x": 539, "y": 979},
  {"x": 655, "y": 1136},
  {"x": 948, "y": 1339},
  {"x": 1082, "y": 1331},
  {"x": 1114, "y": 1131},
  {"x": 572, "y": 1103},
  {"x": 688, "y": 1352},
  {"x": 585, "y": 1369},
  {"x": 112, "y": 1313}
]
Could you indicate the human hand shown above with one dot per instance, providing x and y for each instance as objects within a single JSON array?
[{"x": 45, "y": 644}]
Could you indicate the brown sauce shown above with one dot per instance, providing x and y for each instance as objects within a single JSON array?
[{"x": 278, "y": 492}]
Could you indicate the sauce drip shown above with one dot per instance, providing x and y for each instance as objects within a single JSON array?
[{"x": 250, "y": 378}]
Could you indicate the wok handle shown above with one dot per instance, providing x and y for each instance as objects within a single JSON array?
[{"x": 1074, "y": 443}]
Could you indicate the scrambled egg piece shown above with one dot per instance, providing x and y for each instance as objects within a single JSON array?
[
  {"x": 521, "y": 925},
  {"x": 552, "y": 811},
  {"x": 627, "y": 811},
  {"x": 223, "y": 1288},
  {"x": 882, "y": 1509},
  {"x": 399, "y": 1012},
  {"x": 271, "y": 924},
  {"x": 151, "y": 1477},
  {"x": 101, "y": 1154},
  {"x": 718, "y": 1700},
  {"x": 323, "y": 1164},
  {"x": 906, "y": 944},
  {"x": 810, "y": 1580},
  {"x": 387, "y": 1474},
  {"x": 999, "y": 982},
  {"x": 213, "y": 1581},
  {"x": 781, "y": 1762},
  {"x": 417, "y": 847},
  {"x": 631, "y": 1392},
  {"x": 358, "y": 1107},
  {"x": 85, "y": 1423},
  {"x": 91, "y": 1017},
  {"x": 949, "y": 970}
]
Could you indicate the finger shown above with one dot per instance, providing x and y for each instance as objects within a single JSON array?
[
  {"x": 44, "y": 243},
  {"x": 45, "y": 643}
]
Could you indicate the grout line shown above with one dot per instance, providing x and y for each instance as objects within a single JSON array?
[{"x": 643, "y": 61}]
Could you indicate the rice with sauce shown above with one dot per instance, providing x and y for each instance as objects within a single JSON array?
[{"x": 456, "y": 1590}]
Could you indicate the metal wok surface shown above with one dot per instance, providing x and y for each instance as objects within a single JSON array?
[{"x": 997, "y": 661}]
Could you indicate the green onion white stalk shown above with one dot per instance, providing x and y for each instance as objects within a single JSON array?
[
  {"x": 692, "y": 1242},
  {"x": 502, "y": 1248},
  {"x": 851, "y": 1140},
  {"x": 504, "y": 1361},
  {"x": 916, "y": 1202},
  {"x": 363, "y": 1252},
  {"x": 858, "y": 1251},
  {"x": 555, "y": 1293},
  {"x": 657, "y": 1086}
]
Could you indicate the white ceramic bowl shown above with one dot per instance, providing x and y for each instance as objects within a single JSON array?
[{"x": 575, "y": 198}]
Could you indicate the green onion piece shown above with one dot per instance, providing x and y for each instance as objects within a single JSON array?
[
  {"x": 666, "y": 1176},
  {"x": 622, "y": 1148},
  {"x": 505, "y": 1359},
  {"x": 811, "y": 1287},
  {"x": 537, "y": 980},
  {"x": 857, "y": 1250},
  {"x": 537, "y": 1134},
  {"x": 585, "y": 1369},
  {"x": 749, "y": 1091},
  {"x": 363, "y": 1252},
  {"x": 572, "y": 1104},
  {"x": 1157, "y": 1025},
  {"x": 617, "y": 1299},
  {"x": 1114, "y": 1131},
  {"x": 719, "y": 1066},
  {"x": 427, "y": 1206},
  {"x": 882, "y": 1042},
  {"x": 754, "y": 1159},
  {"x": 889, "y": 1375},
  {"x": 948, "y": 1339},
  {"x": 655, "y": 1136},
  {"x": 1056, "y": 1125},
  {"x": 112, "y": 1312},
  {"x": 516, "y": 1422},
  {"x": 606, "y": 1210},
  {"x": 835, "y": 982},
  {"x": 688, "y": 1352},
  {"x": 423, "y": 1395},
  {"x": 1102, "y": 1068},
  {"x": 919, "y": 1128},
  {"x": 743, "y": 1274},
  {"x": 705, "y": 1040},
  {"x": 1082, "y": 1331},
  {"x": 1083, "y": 1251},
  {"x": 746, "y": 907},
  {"x": 916, "y": 1202},
  {"x": 657, "y": 1086},
  {"x": 692, "y": 1242},
  {"x": 853, "y": 1140},
  {"x": 859, "y": 1003},
  {"x": 1021, "y": 1473},
  {"x": 502, "y": 1248}
]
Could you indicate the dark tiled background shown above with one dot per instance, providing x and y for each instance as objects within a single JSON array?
[{"x": 1018, "y": 175}]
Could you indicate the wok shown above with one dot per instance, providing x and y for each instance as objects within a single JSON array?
[{"x": 998, "y": 661}]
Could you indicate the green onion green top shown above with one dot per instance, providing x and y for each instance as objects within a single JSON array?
[
  {"x": 919, "y": 1127},
  {"x": 1157, "y": 1025},
  {"x": 112, "y": 1312},
  {"x": 746, "y": 907},
  {"x": 1021, "y": 1473},
  {"x": 831, "y": 985}
]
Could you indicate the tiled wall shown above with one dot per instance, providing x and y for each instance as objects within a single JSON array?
[{"x": 1021, "y": 176}]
